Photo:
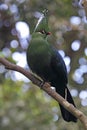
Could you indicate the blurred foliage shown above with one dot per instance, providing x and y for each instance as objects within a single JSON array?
[{"x": 22, "y": 105}]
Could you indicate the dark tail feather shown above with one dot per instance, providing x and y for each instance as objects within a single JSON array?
[{"x": 67, "y": 116}]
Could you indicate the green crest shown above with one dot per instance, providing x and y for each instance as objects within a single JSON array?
[{"x": 42, "y": 24}]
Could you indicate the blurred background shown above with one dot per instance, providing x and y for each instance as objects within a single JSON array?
[{"x": 24, "y": 106}]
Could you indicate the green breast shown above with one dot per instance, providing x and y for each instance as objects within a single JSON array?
[{"x": 38, "y": 53}]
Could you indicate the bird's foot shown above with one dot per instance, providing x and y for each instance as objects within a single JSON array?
[
  {"x": 42, "y": 84},
  {"x": 45, "y": 84}
]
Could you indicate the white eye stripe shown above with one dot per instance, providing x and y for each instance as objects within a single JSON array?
[{"x": 39, "y": 21}]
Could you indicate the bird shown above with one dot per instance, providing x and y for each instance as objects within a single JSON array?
[{"x": 45, "y": 61}]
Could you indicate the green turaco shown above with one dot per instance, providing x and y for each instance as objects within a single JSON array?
[{"x": 45, "y": 61}]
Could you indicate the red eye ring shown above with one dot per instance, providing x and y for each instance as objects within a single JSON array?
[{"x": 48, "y": 33}]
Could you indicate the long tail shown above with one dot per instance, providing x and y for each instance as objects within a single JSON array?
[{"x": 67, "y": 116}]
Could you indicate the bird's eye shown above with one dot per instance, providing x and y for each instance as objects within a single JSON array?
[{"x": 44, "y": 32}]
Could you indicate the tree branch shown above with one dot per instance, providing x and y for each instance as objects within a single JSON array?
[{"x": 47, "y": 88}]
